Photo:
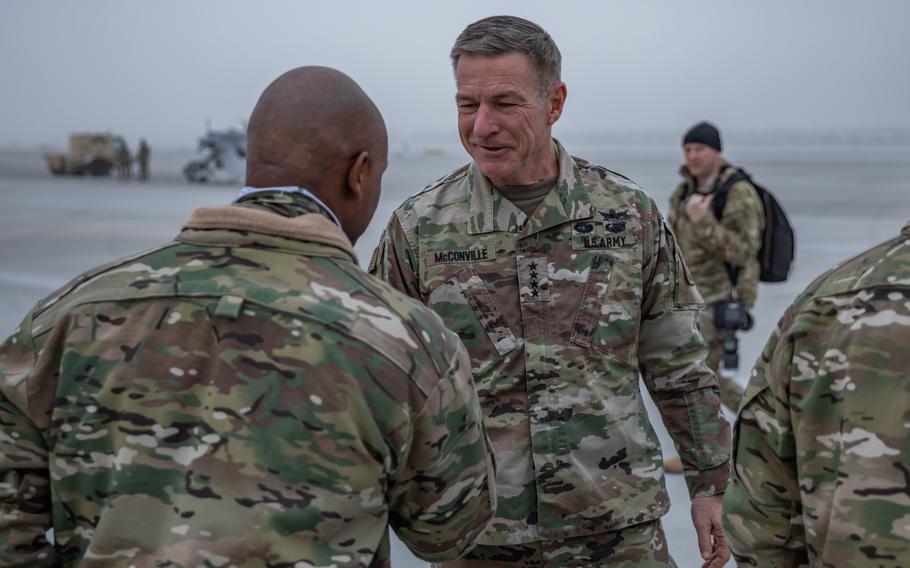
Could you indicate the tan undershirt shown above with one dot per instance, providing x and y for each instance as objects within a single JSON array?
[
  {"x": 528, "y": 197},
  {"x": 708, "y": 186}
]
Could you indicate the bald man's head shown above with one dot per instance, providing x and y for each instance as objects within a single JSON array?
[{"x": 310, "y": 128}]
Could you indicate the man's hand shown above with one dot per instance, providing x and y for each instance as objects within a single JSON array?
[
  {"x": 712, "y": 544},
  {"x": 697, "y": 206}
]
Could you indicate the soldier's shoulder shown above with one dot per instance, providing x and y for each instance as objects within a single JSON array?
[
  {"x": 451, "y": 187},
  {"x": 386, "y": 321},
  {"x": 884, "y": 265},
  {"x": 85, "y": 286},
  {"x": 403, "y": 306},
  {"x": 745, "y": 193},
  {"x": 604, "y": 183},
  {"x": 604, "y": 175},
  {"x": 429, "y": 335},
  {"x": 851, "y": 304},
  {"x": 742, "y": 186}
]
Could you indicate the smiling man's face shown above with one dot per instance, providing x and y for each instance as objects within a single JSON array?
[{"x": 504, "y": 121}]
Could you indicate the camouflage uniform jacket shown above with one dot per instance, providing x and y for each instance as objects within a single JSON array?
[
  {"x": 822, "y": 450},
  {"x": 244, "y": 395},
  {"x": 559, "y": 312},
  {"x": 709, "y": 243}
]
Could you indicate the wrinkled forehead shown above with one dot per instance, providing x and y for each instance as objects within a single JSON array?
[{"x": 510, "y": 73}]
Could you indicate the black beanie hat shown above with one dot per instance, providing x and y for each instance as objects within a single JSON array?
[{"x": 703, "y": 133}]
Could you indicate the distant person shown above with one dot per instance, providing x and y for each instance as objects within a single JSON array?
[
  {"x": 564, "y": 283},
  {"x": 142, "y": 156},
  {"x": 124, "y": 162},
  {"x": 822, "y": 472},
  {"x": 245, "y": 394},
  {"x": 720, "y": 247}
]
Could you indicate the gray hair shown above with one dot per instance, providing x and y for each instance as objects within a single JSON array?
[{"x": 499, "y": 35}]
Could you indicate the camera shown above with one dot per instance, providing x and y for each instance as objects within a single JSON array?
[
  {"x": 732, "y": 315},
  {"x": 730, "y": 344}
]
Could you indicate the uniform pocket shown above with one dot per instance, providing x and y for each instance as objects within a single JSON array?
[
  {"x": 467, "y": 308},
  {"x": 608, "y": 312},
  {"x": 685, "y": 294}
]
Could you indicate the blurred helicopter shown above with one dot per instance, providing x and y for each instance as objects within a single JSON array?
[{"x": 223, "y": 158}]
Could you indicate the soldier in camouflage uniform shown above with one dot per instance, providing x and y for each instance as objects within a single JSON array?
[
  {"x": 142, "y": 158},
  {"x": 710, "y": 244},
  {"x": 124, "y": 161},
  {"x": 245, "y": 395},
  {"x": 822, "y": 466},
  {"x": 564, "y": 283}
]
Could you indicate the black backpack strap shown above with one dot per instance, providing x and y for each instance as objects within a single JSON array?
[
  {"x": 721, "y": 191},
  {"x": 686, "y": 192},
  {"x": 681, "y": 204}
]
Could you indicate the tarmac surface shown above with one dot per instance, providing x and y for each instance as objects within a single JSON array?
[{"x": 841, "y": 199}]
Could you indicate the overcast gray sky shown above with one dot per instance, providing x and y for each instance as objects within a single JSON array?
[{"x": 159, "y": 68}]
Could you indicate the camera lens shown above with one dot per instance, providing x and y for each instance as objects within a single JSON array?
[{"x": 731, "y": 351}]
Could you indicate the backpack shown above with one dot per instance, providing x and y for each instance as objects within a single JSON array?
[{"x": 775, "y": 256}]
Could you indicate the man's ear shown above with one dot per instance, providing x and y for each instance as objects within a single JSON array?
[
  {"x": 557, "y": 101},
  {"x": 356, "y": 174}
]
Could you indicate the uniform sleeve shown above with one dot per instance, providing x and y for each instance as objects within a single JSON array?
[
  {"x": 444, "y": 495},
  {"x": 25, "y": 502},
  {"x": 394, "y": 260},
  {"x": 762, "y": 511},
  {"x": 674, "y": 206},
  {"x": 736, "y": 238},
  {"x": 672, "y": 361}
]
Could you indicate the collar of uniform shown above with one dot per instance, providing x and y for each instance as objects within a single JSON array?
[
  {"x": 489, "y": 211},
  {"x": 686, "y": 174},
  {"x": 288, "y": 189},
  {"x": 311, "y": 228}
]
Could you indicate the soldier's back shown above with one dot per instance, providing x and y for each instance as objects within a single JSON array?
[
  {"x": 233, "y": 398},
  {"x": 830, "y": 401}
]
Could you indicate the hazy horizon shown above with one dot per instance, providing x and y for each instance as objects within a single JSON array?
[
  {"x": 868, "y": 138},
  {"x": 162, "y": 69}
]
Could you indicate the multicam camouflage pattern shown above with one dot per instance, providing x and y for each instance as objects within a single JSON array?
[
  {"x": 236, "y": 398},
  {"x": 282, "y": 202},
  {"x": 709, "y": 243},
  {"x": 559, "y": 312},
  {"x": 731, "y": 392},
  {"x": 822, "y": 448},
  {"x": 638, "y": 546}
]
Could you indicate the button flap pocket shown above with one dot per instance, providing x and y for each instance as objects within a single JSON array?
[{"x": 469, "y": 309}]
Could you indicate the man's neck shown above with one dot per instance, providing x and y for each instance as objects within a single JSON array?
[
  {"x": 547, "y": 167},
  {"x": 551, "y": 166},
  {"x": 286, "y": 203},
  {"x": 708, "y": 178}
]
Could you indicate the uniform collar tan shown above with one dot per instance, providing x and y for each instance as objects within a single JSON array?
[{"x": 310, "y": 227}]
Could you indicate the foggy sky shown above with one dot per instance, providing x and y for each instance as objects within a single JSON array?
[{"x": 159, "y": 68}]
